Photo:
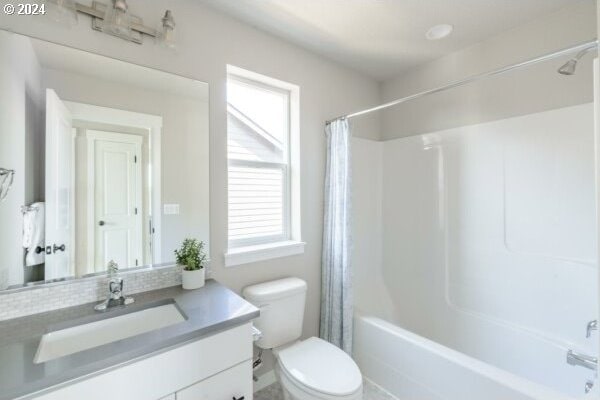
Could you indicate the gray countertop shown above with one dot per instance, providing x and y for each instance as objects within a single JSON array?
[{"x": 209, "y": 309}]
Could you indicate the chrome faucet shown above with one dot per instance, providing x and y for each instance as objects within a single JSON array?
[
  {"x": 591, "y": 326},
  {"x": 582, "y": 360},
  {"x": 115, "y": 296}
]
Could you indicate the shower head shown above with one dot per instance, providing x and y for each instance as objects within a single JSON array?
[{"x": 569, "y": 67}]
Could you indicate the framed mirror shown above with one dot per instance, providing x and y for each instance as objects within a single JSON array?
[{"x": 107, "y": 163}]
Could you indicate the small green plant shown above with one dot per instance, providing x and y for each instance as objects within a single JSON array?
[{"x": 191, "y": 254}]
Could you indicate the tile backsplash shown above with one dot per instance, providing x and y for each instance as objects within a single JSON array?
[{"x": 19, "y": 303}]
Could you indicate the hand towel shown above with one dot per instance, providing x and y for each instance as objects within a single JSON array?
[{"x": 34, "y": 222}]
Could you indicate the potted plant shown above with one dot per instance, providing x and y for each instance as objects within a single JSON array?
[{"x": 191, "y": 256}]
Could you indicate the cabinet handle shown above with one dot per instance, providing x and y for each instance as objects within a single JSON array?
[{"x": 238, "y": 398}]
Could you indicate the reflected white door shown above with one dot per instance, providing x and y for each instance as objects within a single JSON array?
[
  {"x": 60, "y": 154},
  {"x": 117, "y": 199}
]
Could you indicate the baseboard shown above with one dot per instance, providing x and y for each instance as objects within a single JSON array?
[{"x": 265, "y": 380}]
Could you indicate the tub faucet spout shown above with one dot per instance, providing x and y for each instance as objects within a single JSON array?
[{"x": 591, "y": 326}]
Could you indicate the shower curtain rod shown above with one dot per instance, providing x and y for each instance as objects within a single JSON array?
[{"x": 579, "y": 47}]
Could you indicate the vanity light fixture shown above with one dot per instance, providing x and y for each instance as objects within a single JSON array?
[
  {"x": 115, "y": 19},
  {"x": 167, "y": 34}
]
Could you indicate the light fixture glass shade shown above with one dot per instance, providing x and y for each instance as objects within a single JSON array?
[
  {"x": 117, "y": 20},
  {"x": 166, "y": 34},
  {"x": 62, "y": 11}
]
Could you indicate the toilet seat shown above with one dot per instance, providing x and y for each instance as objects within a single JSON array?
[{"x": 319, "y": 367}]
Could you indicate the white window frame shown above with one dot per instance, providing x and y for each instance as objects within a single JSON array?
[{"x": 242, "y": 251}]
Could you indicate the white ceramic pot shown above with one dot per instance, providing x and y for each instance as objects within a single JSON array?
[{"x": 192, "y": 279}]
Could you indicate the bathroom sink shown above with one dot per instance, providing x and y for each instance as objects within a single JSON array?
[{"x": 64, "y": 341}]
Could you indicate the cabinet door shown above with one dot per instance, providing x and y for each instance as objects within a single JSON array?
[
  {"x": 233, "y": 383},
  {"x": 167, "y": 372}
]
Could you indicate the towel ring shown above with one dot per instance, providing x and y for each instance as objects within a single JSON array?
[{"x": 7, "y": 177}]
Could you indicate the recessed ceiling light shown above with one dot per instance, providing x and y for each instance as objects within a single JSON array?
[{"x": 439, "y": 31}]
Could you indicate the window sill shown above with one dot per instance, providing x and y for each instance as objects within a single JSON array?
[{"x": 250, "y": 254}]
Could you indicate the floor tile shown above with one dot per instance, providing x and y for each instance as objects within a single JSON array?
[{"x": 370, "y": 392}]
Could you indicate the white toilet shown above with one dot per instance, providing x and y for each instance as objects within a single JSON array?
[{"x": 307, "y": 370}]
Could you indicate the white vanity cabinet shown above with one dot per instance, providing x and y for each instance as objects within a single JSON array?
[
  {"x": 217, "y": 367},
  {"x": 225, "y": 385}
]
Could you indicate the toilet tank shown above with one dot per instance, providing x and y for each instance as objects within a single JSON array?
[{"x": 281, "y": 304}]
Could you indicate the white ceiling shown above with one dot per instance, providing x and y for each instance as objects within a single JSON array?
[{"x": 383, "y": 38}]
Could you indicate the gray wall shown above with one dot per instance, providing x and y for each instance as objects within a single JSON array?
[
  {"x": 184, "y": 146},
  {"x": 521, "y": 92},
  {"x": 207, "y": 42}
]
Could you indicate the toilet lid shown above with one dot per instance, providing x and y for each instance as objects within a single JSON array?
[{"x": 322, "y": 367}]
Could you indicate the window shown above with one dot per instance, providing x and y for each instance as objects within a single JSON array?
[{"x": 259, "y": 136}]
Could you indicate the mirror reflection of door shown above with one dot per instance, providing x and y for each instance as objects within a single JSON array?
[
  {"x": 116, "y": 199},
  {"x": 117, "y": 191},
  {"x": 52, "y": 96},
  {"x": 60, "y": 156}
]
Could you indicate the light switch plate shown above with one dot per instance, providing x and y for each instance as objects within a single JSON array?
[{"x": 171, "y": 209}]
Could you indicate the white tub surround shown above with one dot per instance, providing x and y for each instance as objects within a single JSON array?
[
  {"x": 487, "y": 241},
  {"x": 413, "y": 367}
]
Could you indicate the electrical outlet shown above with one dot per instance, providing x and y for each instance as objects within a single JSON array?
[{"x": 171, "y": 209}]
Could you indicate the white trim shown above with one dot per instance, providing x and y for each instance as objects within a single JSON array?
[
  {"x": 72, "y": 197},
  {"x": 153, "y": 124},
  {"x": 291, "y": 173},
  {"x": 106, "y": 115},
  {"x": 294, "y": 187},
  {"x": 241, "y": 74},
  {"x": 250, "y": 254},
  {"x": 265, "y": 380},
  {"x": 597, "y": 160}
]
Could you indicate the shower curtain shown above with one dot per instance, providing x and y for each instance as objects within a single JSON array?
[{"x": 336, "y": 290}]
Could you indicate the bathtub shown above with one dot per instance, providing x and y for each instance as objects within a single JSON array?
[{"x": 412, "y": 367}]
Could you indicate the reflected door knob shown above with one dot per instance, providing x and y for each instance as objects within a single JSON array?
[
  {"x": 56, "y": 248},
  {"x": 101, "y": 223}
]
